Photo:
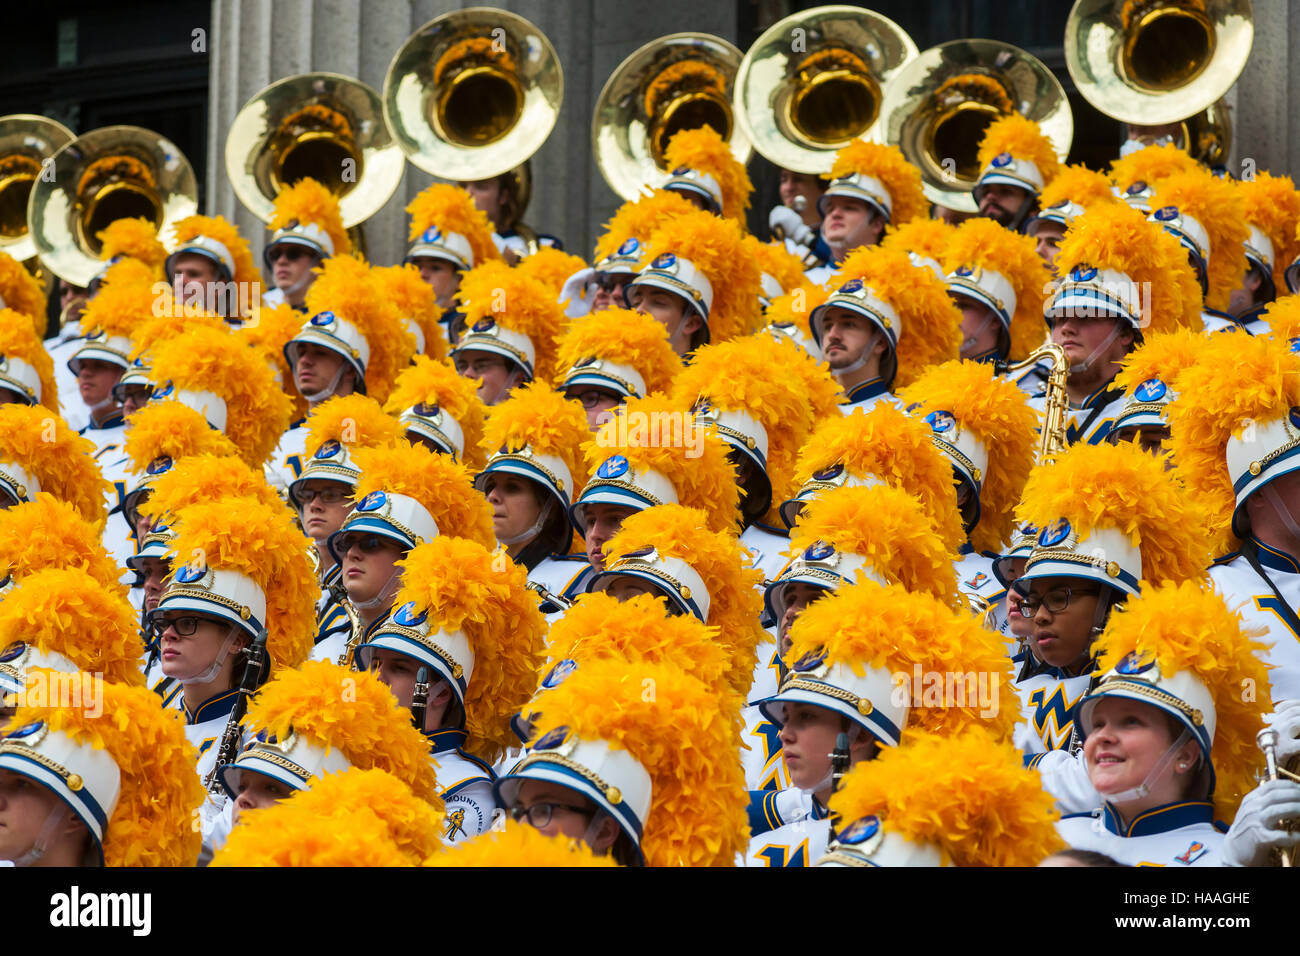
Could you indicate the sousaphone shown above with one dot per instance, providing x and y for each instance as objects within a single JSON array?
[
  {"x": 680, "y": 81},
  {"x": 27, "y": 143},
  {"x": 815, "y": 81},
  {"x": 111, "y": 173},
  {"x": 938, "y": 106},
  {"x": 320, "y": 125}
]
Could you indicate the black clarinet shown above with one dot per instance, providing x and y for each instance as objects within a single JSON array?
[
  {"x": 229, "y": 748},
  {"x": 420, "y": 699},
  {"x": 839, "y": 759}
]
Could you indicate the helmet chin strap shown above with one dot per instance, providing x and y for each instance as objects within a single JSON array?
[
  {"x": 41, "y": 845},
  {"x": 380, "y": 597},
  {"x": 862, "y": 359},
  {"x": 507, "y": 384},
  {"x": 301, "y": 284},
  {"x": 971, "y": 340},
  {"x": 212, "y": 670},
  {"x": 534, "y": 529},
  {"x": 589, "y": 834},
  {"x": 1283, "y": 513},
  {"x": 315, "y": 398},
  {"x": 1152, "y": 778},
  {"x": 1087, "y": 363}
]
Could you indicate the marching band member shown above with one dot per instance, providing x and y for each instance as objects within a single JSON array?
[
  {"x": 788, "y": 321},
  {"x": 504, "y": 199},
  {"x": 796, "y": 222},
  {"x": 696, "y": 280},
  {"x": 48, "y": 534},
  {"x": 845, "y": 650},
  {"x": 1169, "y": 735},
  {"x": 440, "y": 410},
  {"x": 1118, "y": 286},
  {"x": 415, "y": 303},
  {"x": 642, "y": 766},
  {"x": 534, "y": 470},
  {"x": 1112, "y": 521},
  {"x": 449, "y": 235},
  {"x": 936, "y": 800},
  {"x": 567, "y": 276},
  {"x": 1233, "y": 438},
  {"x": 21, "y": 293},
  {"x": 780, "y": 271},
  {"x": 1073, "y": 189},
  {"x": 887, "y": 322},
  {"x": 353, "y": 342},
  {"x": 707, "y": 173},
  {"x": 1147, "y": 380},
  {"x": 1016, "y": 161},
  {"x": 211, "y": 268},
  {"x": 621, "y": 246},
  {"x": 27, "y": 373},
  {"x": 1260, "y": 826},
  {"x": 651, "y": 453},
  {"x": 1271, "y": 207},
  {"x": 269, "y": 332},
  {"x": 104, "y": 786},
  {"x": 547, "y": 845},
  {"x": 984, "y": 426},
  {"x": 38, "y": 452},
  {"x": 472, "y": 627},
  {"x": 511, "y": 324},
  {"x": 306, "y": 229},
  {"x": 1134, "y": 175},
  {"x": 611, "y": 356}
]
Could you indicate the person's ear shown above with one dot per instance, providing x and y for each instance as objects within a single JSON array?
[
  {"x": 863, "y": 747},
  {"x": 693, "y": 321},
  {"x": 606, "y": 834},
  {"x": 1186, "y": 760},
  {"x": 880, "y": 346},
  {"x": 1254, "y": 279},
  {"x": 439, "y": 693}
]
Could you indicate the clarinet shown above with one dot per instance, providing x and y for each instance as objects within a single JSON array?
[
  {"x": 228, "y": 750},
  {"x": 420, "y": 699},
  {"x": 839, "y": 759}
]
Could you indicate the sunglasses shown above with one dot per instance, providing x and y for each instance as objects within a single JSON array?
[
  {"x": 292, "y": 253},
  {"x": 365, "y": 543}
]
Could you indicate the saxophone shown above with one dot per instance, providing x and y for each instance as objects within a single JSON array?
[
  {"x": 1051, "y": 439},
  {"x": 338, "y": 593}
]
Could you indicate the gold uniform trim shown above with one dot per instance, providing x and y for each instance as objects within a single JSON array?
[
  {"x": 241, "y": 609},
  {"x": 612, "y": 794},
  {"x": 423, "y": 640},
  {"x": 863, "y": 706},
  {"x": 1156, "y": 694}
]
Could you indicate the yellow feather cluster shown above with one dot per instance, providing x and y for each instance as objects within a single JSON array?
[
  {"x": 160, "y": 792},
  {"x": 466, "y": 587},
  {"x": 931, "y": 323},
  {"x": 1124, "y": 488},
  {"x": 352, "y": 420},
  {"x": 168, "y": 428},
  {"x": 1117, "y": 237},
  {"x": 896, "y": 448},
  {"x": 70, "y": 613},
  {"x": 1187, "y": 627},
  {"x": 414, "y": 300},
  {"x": 640, "y": 630},
  {"x": 1283, "y": 317},
  {"x": 925, "y": 237},
  {"x": 18, "y": 340},
  {"x": 171, "y": 319},
  {"x": 1217, "y": 205},
  {"x": 21, "y": 292},
  {"x": 624, "y": 337},
  {"x": 370, "y": 730},
  {"x": 200, "y": 478},
  {"x": 674, "y": 726},
  {"x": 1237, "y": 382},
  {"x": 518, "y": 303},
  {"x": 1272, "y": 205},
  {"x": 218, "y": 361},
  {"x": 890, "y": 528},
  {"x": 1150, "y": 165},
  {"x": 451, "y": 209},
  {"x": 443, "y": 486},
  {"x": 346, "y": 287},
  {"x": 136, "y": 239},
  {"x": 970, "y": 795},
  {"x": 660, "y": 434},
  {"x": 551, "y": 267},
  {"x": 735, "y": 604},
  {"x": 437, "y": 383},
  {"x": 640, "y": 219},
  {"x": 704, "y": 150},
  {"x": 216, "y": 227},
  {"x": 1164, "y": 357},
  {"x": 61, "y": 461},
  {"x": 308, "y": 203},
  {"x": 797, "y": 306},
  {"x": 867, "y": 625},
  {"x": 360, "y": 817},
  {"x": 538, "y": 416},
  {"x": 774, "y": 260},
  {"x": 983, "y": 244},
  {"x": 752, "y": 375},
  {"x": 821, "y": 391},
  {"x": 269, "y": 331},
  {"x": 714, "y": 246},
  {"x": 1078, "y": 184},
  {"x": 1023, "y": 139},
  {"x": 263, "y": 542},
  {"x": 520, "y": 846},
  {"x": 49, "y": 533},
  {"x": 122, "y": 306},
  {"x": 900, "y": 178},
  {"x": 999, "y": 415}
]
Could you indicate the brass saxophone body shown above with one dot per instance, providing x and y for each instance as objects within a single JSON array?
[{"x": 1051, "y": 441}]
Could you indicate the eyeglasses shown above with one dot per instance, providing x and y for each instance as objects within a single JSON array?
[
  {"x": 326, "y": 496},
  {"x": 183, "y": 626},
  {"x": 540, "y": 814},
  {"x": 292, "y": 253},
  {"x": 1055, "y": 600},
  {"x": 122, "y": 392},
  {"x": 611, "y": 281},
  {"x": 365, "y": 543},
  {"x": 589, "y": 398}
]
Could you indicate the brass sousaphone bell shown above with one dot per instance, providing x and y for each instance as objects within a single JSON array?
[
  {"x": 473, "y": 94},
  {"x": 111, "y": 173},
  {"x": 27, "y": 143},
  {"x": 320, "y": 125},
  {"x": 938, "y": 106},
  {"x": 680, "y": 81},
  {"x": 814, "y": 82},
  {"x": 1152, "y": 62}
]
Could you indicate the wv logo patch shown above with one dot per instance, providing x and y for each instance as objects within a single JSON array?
[{"x": 1194, "y": 853}]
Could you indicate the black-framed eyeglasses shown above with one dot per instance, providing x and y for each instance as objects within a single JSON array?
[
  {"x": 326, "y": 496},
  {"x": 540, "y": 814},
  {"x": 365, "y": 543},
  {"x": 184, "y": 626},
  {"x": 589, "y": 397},
  {"x": 1056, "y": 600}
]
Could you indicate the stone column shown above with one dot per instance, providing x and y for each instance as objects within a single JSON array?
[
  {"x": 1262, "y": 101},
  {"x": 256, "y": 42}
]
